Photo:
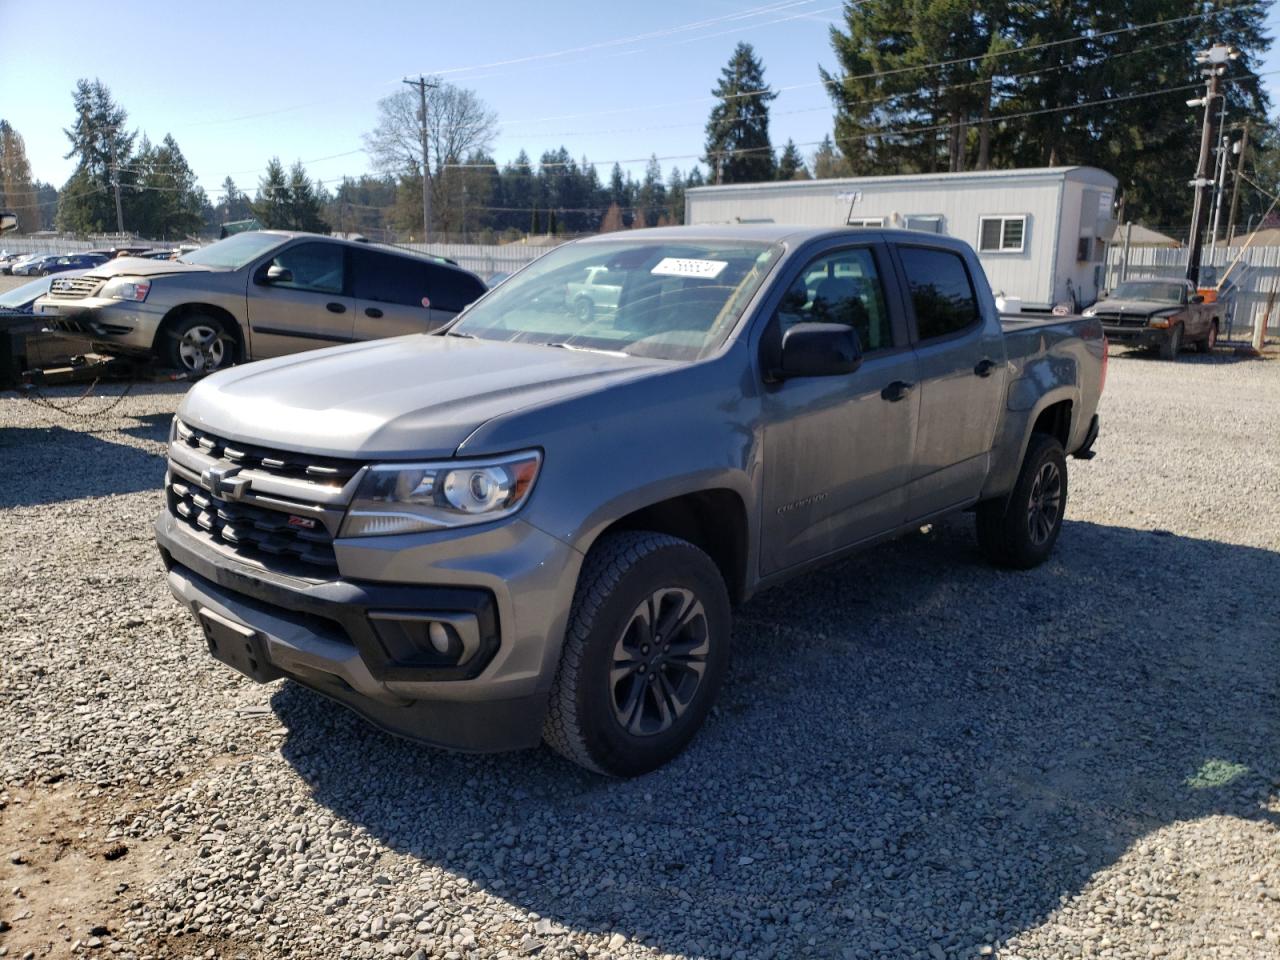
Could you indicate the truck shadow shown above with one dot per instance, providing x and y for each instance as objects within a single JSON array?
[
  {"x": 43, "y": 465},
  {"x": 912, "y": 749}
]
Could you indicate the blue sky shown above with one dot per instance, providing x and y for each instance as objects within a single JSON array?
[{"x": 237, "y": 82}]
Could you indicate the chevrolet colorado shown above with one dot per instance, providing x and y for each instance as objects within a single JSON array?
[{"x": 533, "y": 526}]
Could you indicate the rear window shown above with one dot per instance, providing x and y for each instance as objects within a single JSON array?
[
  {"x": 941, "y": 291},
  {"x": 452, "y": 289},
  {"x": 386, "y": 278}
]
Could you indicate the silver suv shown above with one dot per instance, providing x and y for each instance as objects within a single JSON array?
[{"x": 256, "y": 295}]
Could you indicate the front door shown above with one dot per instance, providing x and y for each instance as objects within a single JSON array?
[
  {"x": 305, "y": 306},
  {"x": 962, "y": 380},
  {"x": 837, "y": 450}
]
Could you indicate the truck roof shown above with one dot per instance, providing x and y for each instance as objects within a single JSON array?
[{"x": 792, "y": 234}]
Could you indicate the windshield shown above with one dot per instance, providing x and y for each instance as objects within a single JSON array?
[
  {"x": 20, "y": 296},
  {"x": 233, "y": 252},
  {"x": 1164, "y": 291},
  {"x": 666, "y": 300}
]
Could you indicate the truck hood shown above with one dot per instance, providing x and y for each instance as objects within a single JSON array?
[
  {"x": 1137, "y": 308},
  {"x": 142, "y": 267},
  {"x": 407, "y": 398}
]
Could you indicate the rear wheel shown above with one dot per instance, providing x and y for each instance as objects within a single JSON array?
[
  {"x": 1172, "y": 344},
  {"x": 1020, "y": 530},
  {"x": 644, "y": 654},
  {"x": 197, "y": 343}
]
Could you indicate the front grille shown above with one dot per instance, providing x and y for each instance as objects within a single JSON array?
[
  {"x": 1121, "y": 320},
  {"x": 73, "y": 288},
  {"x": 280, "y": 509},
  {"x": 250, "y": 529}
]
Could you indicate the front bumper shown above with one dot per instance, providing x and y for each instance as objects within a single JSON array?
[
  {"x": 1136, "y": 336},
  {"x": 112, "y": 326},
  {"x": 321, "y": 634}
]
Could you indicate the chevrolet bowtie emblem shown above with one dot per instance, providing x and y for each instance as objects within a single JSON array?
[{"x": 222, "y": 482}]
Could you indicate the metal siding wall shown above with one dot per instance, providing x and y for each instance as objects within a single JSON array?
[
  {"x": 1260, "y": 282},
  {"x": 816, "y": 203}
]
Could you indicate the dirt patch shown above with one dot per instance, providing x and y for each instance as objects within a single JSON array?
[{"x": 65, "y": 882}]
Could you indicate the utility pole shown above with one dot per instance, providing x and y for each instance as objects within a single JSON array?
[
  {"x": 115, "y": 178},
  {"x": 422, "y": 85},
  {"x": 1215, "y": 60},
  {"x": 1241, "y": 147},
  {"x": 1219, "y": 188}
]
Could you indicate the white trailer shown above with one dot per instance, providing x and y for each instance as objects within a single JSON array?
[{"x": 1040, "y": 233}]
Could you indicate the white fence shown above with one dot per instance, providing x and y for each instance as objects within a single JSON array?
[{"x": 1254, "y": 283}]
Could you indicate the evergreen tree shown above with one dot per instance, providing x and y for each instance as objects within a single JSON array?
[
  {"x": 791, "y": 164},
  {"x": 651, "y": 201},
  {"x": 828, "y": 163},
  {"x": 102, "y": 147},
  {"x": 17, "y": 191},
  {"x": 612, "y": 219},
  {"x": 165, "y": 202},
  {"x": 675, "y": 196},
  {"x": 272, "y": 206},
  {"x": 738, "y": 148},
  {"x": 304, "y": 202}
]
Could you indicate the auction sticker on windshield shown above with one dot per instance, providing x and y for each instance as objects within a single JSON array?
[{"x": 681, "y": 267}]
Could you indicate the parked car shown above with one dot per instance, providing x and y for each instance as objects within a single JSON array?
[
  {"x": 595, "y": 291},
  {"x": 29, "y": 266},
  {"x": 7, "y": 261},
  {"x": 257, "y": 294},
  {"x": 534, "y": 527},
  {"x": 1162, "y": 314},
  {"x": 72, "y": 261}
]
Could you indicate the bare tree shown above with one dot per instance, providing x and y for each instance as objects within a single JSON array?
[{"x": 459, "y": 123}]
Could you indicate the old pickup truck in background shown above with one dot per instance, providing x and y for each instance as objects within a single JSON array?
[
  {"x": 1164, "y": 314},
  {"x": 535, "y": 525}
]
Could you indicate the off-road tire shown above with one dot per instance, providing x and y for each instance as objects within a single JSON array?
[
  {"x": 1171, "y": 346},
  {"x": 620, "y": 572},
  {"x": 1004, "y": 527}
]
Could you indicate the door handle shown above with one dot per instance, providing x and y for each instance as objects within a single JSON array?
[
  {"x": 898, "y": 390},
  {"x": 372, "y": 312},
  {"x": 985, "y": 367},
  {"x": 335, "y": 307}
]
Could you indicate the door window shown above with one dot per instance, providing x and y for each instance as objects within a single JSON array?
[
  {"x": 941, "y": 291},
  {"x": 385, "y": 278},
  {"x": 841, "y": 287},
  {"x": 315, "y": 266}
]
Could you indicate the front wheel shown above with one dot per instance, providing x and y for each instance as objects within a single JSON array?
[
  {"x": 644, "y": 654},
  {"x": 1210, "y": 339},
  {"x": 1172, "y": 344},
  {"x": 1020, "y": 530},
  {"x": 197, "y": 343}
]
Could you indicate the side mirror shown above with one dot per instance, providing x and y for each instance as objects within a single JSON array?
[
  {"x": 819, "y": 350},
  {"x": 1197, "y": 298},
  {"x": 278, "y": 274},
  {"x": 1103, "y": 294}
]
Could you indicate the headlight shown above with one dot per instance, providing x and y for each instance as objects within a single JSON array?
[
  {"x": 1089, "y": 311},
  {"x": 412, "y": 497},
  {"x": 127, "y": 288}
]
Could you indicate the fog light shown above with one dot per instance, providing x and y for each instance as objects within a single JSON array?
[{"x": 439, "y": 637}]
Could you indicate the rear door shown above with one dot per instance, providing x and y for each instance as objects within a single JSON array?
[
  {"x": 392, "y": 295},
  {"x": 837, "y": 450},
  {"x": 309, "y": 309},
  {"x": 962, "y": 378}
]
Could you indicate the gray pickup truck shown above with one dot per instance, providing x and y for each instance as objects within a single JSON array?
[{"x": 527, "y": 526}]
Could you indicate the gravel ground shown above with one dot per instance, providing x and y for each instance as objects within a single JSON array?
[{"x": 915, "y": 755}]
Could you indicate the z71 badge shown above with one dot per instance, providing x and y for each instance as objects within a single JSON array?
[{"x": 305, "y": 523}]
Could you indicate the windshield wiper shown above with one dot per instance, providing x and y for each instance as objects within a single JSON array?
[
  {"x": 570, "y": 346},
  {"x": 460, "y": 333}
]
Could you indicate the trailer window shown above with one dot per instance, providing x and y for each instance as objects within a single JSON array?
[
  {"x": 941, "y": 291},
  {"x": 1002, "y": 234},
  {"x": 872, "y": 222}
]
